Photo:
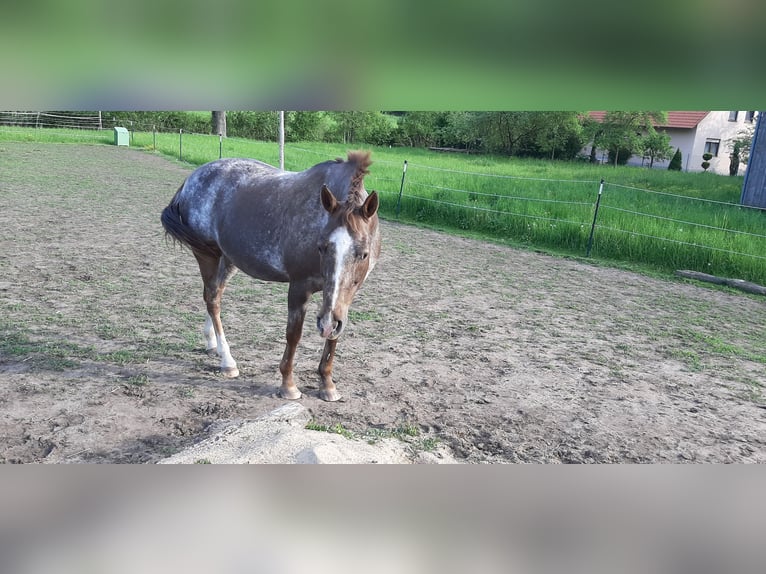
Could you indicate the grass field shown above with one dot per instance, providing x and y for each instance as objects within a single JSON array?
[{"x": 653, "y": 219}]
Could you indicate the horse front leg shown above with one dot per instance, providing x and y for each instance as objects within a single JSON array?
[
  {"x": 328, "y": 392},
  {"x": 297, "y": 302}
]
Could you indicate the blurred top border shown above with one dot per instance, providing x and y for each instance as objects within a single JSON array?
[{"x": 482, "y": 55}]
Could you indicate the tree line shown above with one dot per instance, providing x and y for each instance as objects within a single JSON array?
[{"x": 538, "y": 134}]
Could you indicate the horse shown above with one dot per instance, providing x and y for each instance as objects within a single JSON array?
[{"x": 315, "y": 229}]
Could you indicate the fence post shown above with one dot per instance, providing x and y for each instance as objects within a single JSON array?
[
  {"x": 154, "y": 137},
  {"x": 180, "y": 143},
  {"x": 220, "y": 145},
  {"x": 595, "y": 215},
  {"x": 401, "y": 188}
]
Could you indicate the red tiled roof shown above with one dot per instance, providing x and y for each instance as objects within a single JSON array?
[{"x": 687, "y": 120}]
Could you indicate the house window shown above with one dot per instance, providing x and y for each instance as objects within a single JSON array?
[
  {"x": 733, "y": 116},
  {"x": 711, "y": 147},
  {"x": 749, "y": 116}
]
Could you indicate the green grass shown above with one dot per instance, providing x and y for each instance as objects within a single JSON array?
[
  {"x": 407, "y": 433},
  {"x": 540, "y": 204}
]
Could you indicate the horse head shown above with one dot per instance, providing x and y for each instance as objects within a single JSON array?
[{"x": 348, "y": 249}]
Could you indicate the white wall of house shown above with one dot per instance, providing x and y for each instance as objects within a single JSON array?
[
  {"x": 717, "y": 126},
  {"x": 682, "y": 139},
  {"x": 691, "y": 142}
]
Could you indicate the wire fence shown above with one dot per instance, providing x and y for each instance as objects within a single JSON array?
[
  {"x": 633, "y": 224},
  {"x": 630, "y": 224}
]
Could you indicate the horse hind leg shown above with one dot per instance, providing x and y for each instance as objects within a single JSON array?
[
  {"x": 215, "y": 272},
  {"x": 211, "y": 340},
  {"x": 298, "y": 296}
]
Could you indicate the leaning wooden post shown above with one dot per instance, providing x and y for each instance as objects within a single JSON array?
[
  {"x": 401, "y": 188},
  {"x": 595, "y": 215},
  {"x": 180, "y": 143},
  {"x": 282, "y": 140}
]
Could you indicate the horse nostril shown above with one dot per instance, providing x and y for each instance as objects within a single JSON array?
[
  {"x": 319, "y": 323},
  {"x": 338, "y": 326}
]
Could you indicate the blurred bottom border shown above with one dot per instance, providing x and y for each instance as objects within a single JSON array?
[{"x": 114, "y": 519}]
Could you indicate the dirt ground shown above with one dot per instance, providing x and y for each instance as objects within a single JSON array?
[{"x": 494, "y": 353}]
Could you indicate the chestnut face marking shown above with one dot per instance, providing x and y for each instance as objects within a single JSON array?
[
  {"x": 345, "y": 261},
  {"x": 345, "y": 266}
]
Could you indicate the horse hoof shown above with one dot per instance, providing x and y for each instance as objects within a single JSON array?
[
  {"x": 290, "y": 393},
  {"x": 230, "y": 372},
  {"x": 329, "y": 395},
  {"x": 212, "y": 352}
]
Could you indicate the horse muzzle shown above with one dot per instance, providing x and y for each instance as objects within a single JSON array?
[{"x": 329, "y": 328}]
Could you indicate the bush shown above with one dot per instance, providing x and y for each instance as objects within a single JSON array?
[
  {"x": 675, "y": 163},
  {"x": 263, "y": 126},
  {"x": 623, "y": 156}
]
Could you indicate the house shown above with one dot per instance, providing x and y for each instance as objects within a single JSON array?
[{"x": 695, "y": 133}]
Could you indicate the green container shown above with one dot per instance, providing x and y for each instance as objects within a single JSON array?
[{"x": 121, "y": 136}]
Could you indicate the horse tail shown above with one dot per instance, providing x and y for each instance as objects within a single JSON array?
[{"x": 179, "y": 231}]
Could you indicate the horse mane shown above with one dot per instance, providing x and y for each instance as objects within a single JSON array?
[{"x": 361, "y": 160}]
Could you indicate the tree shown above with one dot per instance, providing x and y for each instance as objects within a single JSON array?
[
  {"x": 368, "y": 127},
  {"x": 740, "y": 151},
  {"x": 417, "y": 129},
  {"x": 560, "y": 135},
  {"x": 623, "y": 130},
  {"x": 734, "y": 158},
  {"x": 218, "y": 122},
  {"x": 305, "y": 126},
  {"x": 675, "y": 163},
  {"x": 656, "y": 146}
]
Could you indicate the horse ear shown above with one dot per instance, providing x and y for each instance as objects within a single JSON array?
[
  {"x": 328, "y": 200},
  {"x": 370, "y": 205}
]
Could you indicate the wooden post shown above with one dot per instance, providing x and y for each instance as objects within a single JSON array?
[
  {"x": 754, "y": 186},
  {"x": 281, "y": 140}
]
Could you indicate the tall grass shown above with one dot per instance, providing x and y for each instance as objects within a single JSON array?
[{"x": 647, "y": 217}]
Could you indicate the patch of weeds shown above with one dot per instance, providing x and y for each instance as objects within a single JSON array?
[
  {"x": 718, "y": 346},
  {"x": 690, "y": 358},
  {"x": 429, "y": 444},
  {"x": 406, "y": 430},
  {"x": 403, "y": 432},
  {"x": 191, "y": 339},
  {"x": 754, "y": 391},
  {"x": 407, "y": 433},
  {"x": 315, "y": 426},
  {"x": 202, "y": 461},
  {"x": 358, "y": 316},
  {"x": 54, "y": 355},
  {"x": 139, "y": 380},
  {"x": 121, "y": 357},
  {"x": 373, "y": 435},
  {"x": 624, "y": 347},
  {"x": 404, "y": 248},
  {"x": 107, "y": 331},
  {"x": 337, "y": 428}
]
